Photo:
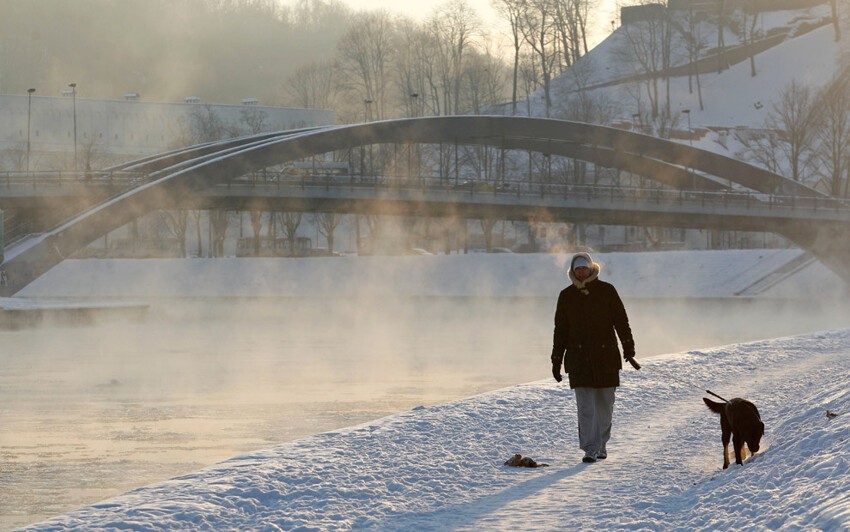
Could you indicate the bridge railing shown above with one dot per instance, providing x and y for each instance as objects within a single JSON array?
[
  {"x": 18, "y": 229},
  {"x": 62, "y": 178},
  {"x": 526, "y": 188}
]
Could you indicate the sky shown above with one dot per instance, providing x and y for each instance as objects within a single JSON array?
[
  {"x": 440, "y": 467},
  {"x": 423, "y": 9}
]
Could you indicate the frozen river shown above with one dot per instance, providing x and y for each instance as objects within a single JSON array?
[{"x": 89, "y": 412}]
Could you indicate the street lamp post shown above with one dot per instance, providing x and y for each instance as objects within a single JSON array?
[
  {"x": 414, "y": 99},
  {"x": 367, "y": 114},
  {"x": 74, "y": 101},
  {"x": 366, "y": 107},
  {"x": 414, "y": 111},
  {"x": 691, "y": 142},
  {"x": 29, "y": 124}
]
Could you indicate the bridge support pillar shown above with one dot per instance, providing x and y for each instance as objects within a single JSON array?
[{"x": 828, "y": 241}]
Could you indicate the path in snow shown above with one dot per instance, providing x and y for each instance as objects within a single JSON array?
[{"x": 666, "y": 452}]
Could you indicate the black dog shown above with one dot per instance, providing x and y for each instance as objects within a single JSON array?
[{"x": 739, "y": 419}]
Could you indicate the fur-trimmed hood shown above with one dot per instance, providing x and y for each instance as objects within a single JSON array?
[{"x": 595, "y": 269}]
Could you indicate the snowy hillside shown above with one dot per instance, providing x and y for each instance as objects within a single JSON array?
[
  {"x": 605, "y": 86},
  {"x": 732, "y": 97},
  {"x": 440, "y": 467}
]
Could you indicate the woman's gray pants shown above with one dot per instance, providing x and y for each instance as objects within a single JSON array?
[{"x": 595, "y": 409}]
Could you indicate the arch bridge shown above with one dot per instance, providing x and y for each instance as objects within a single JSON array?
[{"x": 697, "y": 188}]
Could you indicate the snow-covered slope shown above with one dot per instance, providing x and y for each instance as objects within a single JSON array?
[
  {"x": 601, "y": 87},
  {"x": 731, "y": 98},
  {"x": 440, "y": 467}
]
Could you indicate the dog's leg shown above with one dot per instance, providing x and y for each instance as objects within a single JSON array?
[
  {"x": 726, "y": 434},
  {"x": 738, "y": 444}
]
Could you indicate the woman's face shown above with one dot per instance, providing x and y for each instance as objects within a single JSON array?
[{"x": 582, "y": 272}]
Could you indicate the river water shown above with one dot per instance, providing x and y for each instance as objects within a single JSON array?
[{"x": 90, "y": 412}]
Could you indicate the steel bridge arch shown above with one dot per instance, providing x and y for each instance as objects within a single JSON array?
[{"x": 186, "y": 171}]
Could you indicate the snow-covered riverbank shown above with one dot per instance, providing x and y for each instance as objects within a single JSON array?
[
  {"x": 440, "y": 467},
  {"x": 674, "y": 274}
]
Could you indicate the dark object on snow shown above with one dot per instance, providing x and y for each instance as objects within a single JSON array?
[
  {"x": 633, "y": 362},
  {"x": 556, "y": 371},
  {"x": 740, "y": 420},
  {"x": 830, "y": 415},
  {"x": 519, "y": 460}
]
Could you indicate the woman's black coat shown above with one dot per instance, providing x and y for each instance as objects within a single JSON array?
[{"x": 584, "y": 335}]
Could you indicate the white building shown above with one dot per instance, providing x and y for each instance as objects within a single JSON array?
[{"x": 111, "y": 131}]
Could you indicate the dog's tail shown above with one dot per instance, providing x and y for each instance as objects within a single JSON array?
[{"x": 714, "y": 407}]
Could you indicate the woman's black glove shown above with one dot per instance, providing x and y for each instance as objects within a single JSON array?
[
  {"x": 557, "y": 359},
  {"x": 628, "y": 349}
]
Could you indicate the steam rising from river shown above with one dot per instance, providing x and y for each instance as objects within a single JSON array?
[{"x": 319, "y": 344}]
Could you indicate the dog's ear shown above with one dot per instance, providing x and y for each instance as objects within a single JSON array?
[{"x": 761, "y": 428}]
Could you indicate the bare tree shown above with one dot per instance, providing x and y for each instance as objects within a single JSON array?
[
  {"x": 412, "y": 65},
  {"x": 365, "y": 55},
  {"x": 327, "y": 223},
  {"x": 256, "y": 228},
  {"x": 254, "y": 120},
  {"x": 722, "y": 60},
  {"x": 695, "y": 42},
  {"x": 648, "y": 47},
  {"x": 537, "y": 25},
  {"x": 487, "y": 225},
  {"x": 89, "y": 154},
  {"x": 176, "y": 223},
  {"x": 796, "y": 116},
  {"x": 749, "y": 31},
  {"x": 483, "y": 80},
  {"x": 570, "y": 24},
  {"x": 196, "y": 215},
  {"x": 205, "y": 124},
  {"x": 219, "y": 219},
  {"x": 834, "y": 133},
  {"x": 290, "y": 222},
  {"x": 314, "y": 85},
  {"x": 453, "y": 26},
  {"x": 763, "y": 148},
  {"x": 511, "y": 10},
  {"x": 16, "y": 157},
  {"x": 529, "y": 78}
]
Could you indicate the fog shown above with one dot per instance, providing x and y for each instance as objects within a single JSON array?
[
  {"x": 93, "y": 411},
  {"x": 165, "y": 50}
]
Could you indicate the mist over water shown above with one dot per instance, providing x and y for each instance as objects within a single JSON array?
[{"x": 91, "y": 412}]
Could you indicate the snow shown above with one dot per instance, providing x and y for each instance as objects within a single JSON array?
[
  {"x": 440, "y": 467},
  {"x": 671, "y": 274},
  {"x": 733, "y": 100}
]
